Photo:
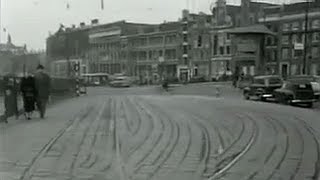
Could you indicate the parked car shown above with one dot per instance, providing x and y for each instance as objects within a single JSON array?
[
  {"x": 262, "y": 87},
  {"x": 296, "y": 91},
  {"x": 314, "y": 80},
  {"x": 120, "y": 81}
]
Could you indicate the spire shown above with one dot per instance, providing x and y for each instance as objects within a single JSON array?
[
  {"x": 9, "y": 41},
  {"x": 221, "y": 12}
]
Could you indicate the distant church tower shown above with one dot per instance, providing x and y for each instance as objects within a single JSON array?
[
  {"x": 221, "y": 12},
  {"x": 245, "y": 13},
  {"x": 9, "y": 41}
]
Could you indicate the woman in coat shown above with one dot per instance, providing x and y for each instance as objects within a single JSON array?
[
  {"x": 10, "y": 98},
  {"x": 28, "y": 89}
]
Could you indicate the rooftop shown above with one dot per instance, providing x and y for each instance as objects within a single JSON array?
[{"x": 254, "y": 29}]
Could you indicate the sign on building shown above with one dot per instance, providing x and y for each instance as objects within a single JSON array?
[{"x": 298, "y": 46}]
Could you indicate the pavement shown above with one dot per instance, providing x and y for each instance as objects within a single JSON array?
[{"x": 144, "y": 133}]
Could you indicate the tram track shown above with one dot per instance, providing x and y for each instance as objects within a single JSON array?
[
  {"x": 310, "y": 130},
  {"x": 156, "y": 143},
  {"x": 237, "y": 156},
  {"x": 29, "y": 170},
  {"x": 146, "y": 137}
]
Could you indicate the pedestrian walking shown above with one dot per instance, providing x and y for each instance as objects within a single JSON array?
[
  {"x": 43, "y": 85},
  {"x": 10, "y": 99},
  {"x": 29, "y": 94}
]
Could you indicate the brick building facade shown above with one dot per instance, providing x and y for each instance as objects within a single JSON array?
[{"x": 286, "y": 51}]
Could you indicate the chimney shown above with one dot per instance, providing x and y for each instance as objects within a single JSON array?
[
  {"x": 73, "y": 26},
  {"x": 94, "y": 21},
  {"x": 185, "y": 13},
  {"x": 82, "y": 24}
]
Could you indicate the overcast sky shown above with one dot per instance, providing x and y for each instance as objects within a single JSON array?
[{"x": 29, "y": 21}]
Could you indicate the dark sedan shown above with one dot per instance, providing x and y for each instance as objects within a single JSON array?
[
  {"x": 296, "y": 91},
  {"x": 262, "y": 87}
]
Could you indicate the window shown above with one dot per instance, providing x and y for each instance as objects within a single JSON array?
[
  {"x": 315, "y": 51},
  {"x": 314, "y": 69},
  {"x": 285, "y": 39},
  {"x": 201, "y": 55},
  {"x": 185, "y": 50},
  {"x": 252, "y": 72},
  {"x": 294, "y": 69},
  {"x": 185, "y": 38},
  {"x": 228, "y": 49},
  {"x": 316, "y": 37},
  {"x": 185, "y": 27},
  {"x": 316, "y": 23},
  {"x": 297, "y": 53},
  {"x": 285, "y": 27},
  {"x": 228, "y": 36},
  {"x": 303, "y": 25},
  {"x": 215, "y": 44},
  {"x": 295, "y": 38},
  {"x": 295, "y": 26},
  {"x": 251, "y": 20},
  {"x": 285, "y": 53},
  {"x": 199, "y": 41},
  {"x": 269, "y": 41},
  {"x": 272, "y": 55},
  {"x": 221, "y": 50},
  {"x": 160, "y": 53}
]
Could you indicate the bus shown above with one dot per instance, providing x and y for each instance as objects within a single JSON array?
[{"x": 96, "y": 79}]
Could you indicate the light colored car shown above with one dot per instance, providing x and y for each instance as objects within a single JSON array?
[{"x": 121, "y": 81}]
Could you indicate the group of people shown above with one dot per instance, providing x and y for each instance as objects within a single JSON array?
[{"x": 35, "y": 91}]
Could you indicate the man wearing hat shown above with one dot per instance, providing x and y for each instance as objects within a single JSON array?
[{"x": 43, "y": 85}]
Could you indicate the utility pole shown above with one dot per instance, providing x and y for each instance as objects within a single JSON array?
[
  {"x": 24, "y": 65},
  {"x": 304, "y": 69}
]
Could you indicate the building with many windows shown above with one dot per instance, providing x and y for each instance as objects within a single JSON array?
[
  {"x": 296, "y": 48},
  {"x": 155, "y": 54},
  {"x": 225, "y": 45}
]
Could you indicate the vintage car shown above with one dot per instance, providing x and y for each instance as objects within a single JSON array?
[
  {"x": 262, "y": 87},
  {"x": 296, "y": 91},
  {"x": 314, "y": 80},
  {"x": 120, "y": 81}
]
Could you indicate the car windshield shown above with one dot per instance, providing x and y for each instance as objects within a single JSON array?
[
  {"x": 304, "y": 86},
  {"x": 274, "y": 81},
  {"x": 259, "y": 81},
  {"x": 159, "y": 90}
]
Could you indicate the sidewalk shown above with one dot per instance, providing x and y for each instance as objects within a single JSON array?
[{"x": 22, "y": 140}]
